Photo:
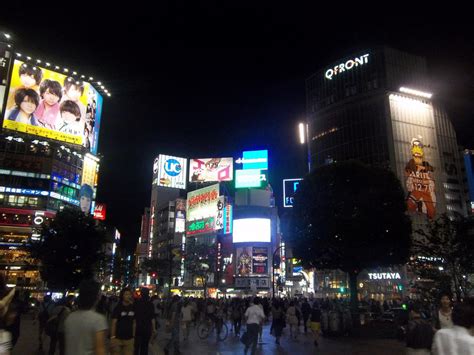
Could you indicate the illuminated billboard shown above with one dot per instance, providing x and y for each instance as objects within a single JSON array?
[
  {"x": 250, "y": 230},
  {"x": 244, "y": 261},
  {"x": 290, "y": 186},
  {"x": 254, "y": 159},
  {"x": 49, "y": 104},
  {"x": 211, "y": 170},
  {"x": 202, "y": 203},
  {"x": 249, "y": 178},
  {"x": 259, "y": 260},
  {"x": 170, "y": 171},
  {"x": 90, "y": 173},
  {"x": 100, "y": 211}
]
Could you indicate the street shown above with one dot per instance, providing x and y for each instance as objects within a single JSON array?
[{"x": 28, "y": 344}]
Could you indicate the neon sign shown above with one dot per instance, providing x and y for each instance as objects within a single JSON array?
[{"x": 348, "y": 65}]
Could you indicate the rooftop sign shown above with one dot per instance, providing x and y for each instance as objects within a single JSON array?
[{"x": 348, "y": 65}]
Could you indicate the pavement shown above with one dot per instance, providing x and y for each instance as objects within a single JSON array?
[{"x": 28, "y": 344}]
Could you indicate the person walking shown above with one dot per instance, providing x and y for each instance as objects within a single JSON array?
[
  {"x": 122, "y": 332},
  {"x": 145, "y": 322},
  {"x": 419, "y": 334},
  {"x": 315, "y": 322},
  {"x": 58, "y": 318},
  {"x": 44, "y": 310},
  {"x": 187, "y": 318},
  {"x": 305, "y": 312},
  {"x": 459, "y": 339},
  {"x": 254, "y": 317},
  {"x": 292, "y": 320},
  {"x": 6, "y": 297},
  {"x": 442, "y": 317},
  {"x": 172, "y": 321},
  {"x": 278, "y": 320},
  {"x": 85, "y": 329},
  {"x": 236, "y": 316}
]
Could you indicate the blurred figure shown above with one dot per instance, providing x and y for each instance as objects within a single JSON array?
[
  {"x": 442, "y": 317},
  {"x": 6, "y": 297},
  {"x": 59, "y": 316},
  {"x": 254, "y": 316},
  {"x": 172, "y": 320},
  {"x": 306, "y": 312},
  {"x": 278, "y": 320},
  {"x": 44, "y": 310},
  {"x": 315, "y": 322},
  {"x": 145, "y": 322},
  {"x": 122, "y": 330},
  {"x": 292, "y": 320},
  {"x": 458, "y": 339},
  {"x": 187, "y": 317},
  {"x": 85, "y": 328},
  {"x": 419, "y": 333}
]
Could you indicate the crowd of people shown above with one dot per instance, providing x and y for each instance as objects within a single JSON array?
[{"x": 95, "y": 324}]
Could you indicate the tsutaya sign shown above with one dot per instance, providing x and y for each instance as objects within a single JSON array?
[
  {"x": 385, "y": 276},
  {"x": 348, "y": 65}
]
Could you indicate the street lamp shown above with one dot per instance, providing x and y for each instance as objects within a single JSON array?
[{"x": 303, "y": 135}]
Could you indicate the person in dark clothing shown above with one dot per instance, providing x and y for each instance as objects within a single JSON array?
[
  {"x": 173, "y": 320},
  {"x": 306, "y": 312},
  {"x": 102, "y": 305},
  {"x": 278, "y": 320},
  {"x": 145, "y": 320},
  {"x": 13, "y": 317},
  {"x": 237, "y": 316},
  {"x": 315, "y": 322},
  {"x": 123, "y": 325},
  {"x": 420, "y": 333}
]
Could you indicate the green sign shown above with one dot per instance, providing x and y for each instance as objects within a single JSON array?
[
  {"x": 249, "y": 178},
  {"x": 200, "y": 226}
]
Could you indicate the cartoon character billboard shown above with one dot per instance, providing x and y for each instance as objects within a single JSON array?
[{"x": 420, "y": 182}]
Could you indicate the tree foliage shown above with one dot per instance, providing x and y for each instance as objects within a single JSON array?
[
  {"x": 70, "y": 250},
  {"x": 200, "y": 260},
  {"x": 350, "y": 216},
  {"x": 446, "y": 248}
]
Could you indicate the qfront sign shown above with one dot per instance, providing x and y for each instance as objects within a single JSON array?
[
  {"x": 348, "y": 65},
  {"x": 384, "y": 276}
]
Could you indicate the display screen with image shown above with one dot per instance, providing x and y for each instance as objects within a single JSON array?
[
  {"x": 49, "y": 104},
  {"x": 251, "y": 230}
]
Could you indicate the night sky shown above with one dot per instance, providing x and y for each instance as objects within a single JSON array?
[{"x": 212, "y": 80}]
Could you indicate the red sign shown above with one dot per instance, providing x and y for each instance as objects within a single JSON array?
[{"x": 100, "y": 211}]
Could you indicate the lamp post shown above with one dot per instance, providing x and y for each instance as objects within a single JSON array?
[
  {"x": 273, "y": 269},
  {"x": 304, "y": 139}
]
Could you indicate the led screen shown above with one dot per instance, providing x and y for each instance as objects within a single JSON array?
[
  {"x": 49, "y": 104},
  {"x": 252, "y": 230}
]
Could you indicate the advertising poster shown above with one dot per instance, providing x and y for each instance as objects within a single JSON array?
[
  {"x": 202, "y": 226},
  {"x": 202, "y": 203},
  {"x": 244, "y": 261},
  {"x": 100, "y": 211},
  {"x": 260, "y": 260},
  {"x": 49, "y": 104},
  {"x": 5, "y": 54},
  {"x": 90, "y": 173},
  {"x": 220, "y": 213},
  {"x": 211, "y": 170},
  {"x": 228, "y": 219},
  {"x": 420, "y": 181},
  {"x": 171, "y": 171}
]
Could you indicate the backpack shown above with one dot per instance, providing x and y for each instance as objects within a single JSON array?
[{"x": 52, "y": 325}]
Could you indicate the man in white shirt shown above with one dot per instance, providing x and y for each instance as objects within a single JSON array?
[
  {"x": 458, "y": 339},
  {"x": 254, "y": 316}
]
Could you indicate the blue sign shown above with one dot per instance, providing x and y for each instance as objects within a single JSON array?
[
  {"x": 172, "y": 167},
  {"x": 255, "y": 159},
  {"x": 290, "y": 186}
]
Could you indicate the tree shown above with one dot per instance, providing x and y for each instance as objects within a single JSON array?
[
  {"x": 70, "y": 249},
  {"x": 446, "y": 247},
  {"x": 200, "y": 260},
  {"x": 162, "y": 267},
  {"x": 350, "y": 216}
]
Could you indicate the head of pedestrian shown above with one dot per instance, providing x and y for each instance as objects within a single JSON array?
[
  {"x": 256, "y": 301},
  {"x": 126, "y": 296},
  {"x": 89, "y": 294},
  {"x": 463, "y": 314},
  {"x": 145, "y": 293},
  {"x": 415, "y": 311},
  {"x": 175, "y": 298},
  {"x": 445, "y": 301},
  {"x": 70, "y": 300}
]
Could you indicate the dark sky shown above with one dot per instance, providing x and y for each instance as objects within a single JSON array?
[{"x": 210, "y": 80}]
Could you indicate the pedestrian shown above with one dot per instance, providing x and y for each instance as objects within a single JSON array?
[
  {"x": 292, "y": 320},
  {"x": 55, "y": 325},
  {"x": 172, "y": 323},
  {"x": 6, "y": 297},
  {"x": 122, "y": 332},
  {"x": 236, "y": 316},
  {"x": 145, "y": 322},
  {"x": 44, "y": 310},
  {"x": 187, "y": 318},
  {"x": 254, "y": 317},
  {"x": 459, "y": 339},
  {"x": 12, "y": 318},
  {"x": 442, "y": 317},
  {"x": 156, "y": 310},
  {"x": 419, "y": 334},
  {"x": 315, "y": 322},
  {"x": 305, "y": 312},
  {"x": 85, "y": 329},
  {"x": 278, "y": 320}
]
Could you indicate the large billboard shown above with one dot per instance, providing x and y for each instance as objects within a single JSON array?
[
  {"x": 202, "y": 203},
  {"x": 170, "y": 171},
  {"x": 259, "y": 260},
  {"x": 244, "y": 261},
  {"x": 417, "y": 154},
  {"x": 49, "y": 104},
  {"x": 90, "y": 173},
  {"x": 252, "y": 230},
  {"x": 211, "y": 170},
  {"x": 5, "y": 55}
]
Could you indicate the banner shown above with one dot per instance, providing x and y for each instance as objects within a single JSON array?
[
  {"x": 260, "y": 260},
  {"x": 211, "y": 169}
]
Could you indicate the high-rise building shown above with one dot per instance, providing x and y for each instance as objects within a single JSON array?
[
  {"x": 48, "y": 154},
  {"x": 376, "y": 106}
]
